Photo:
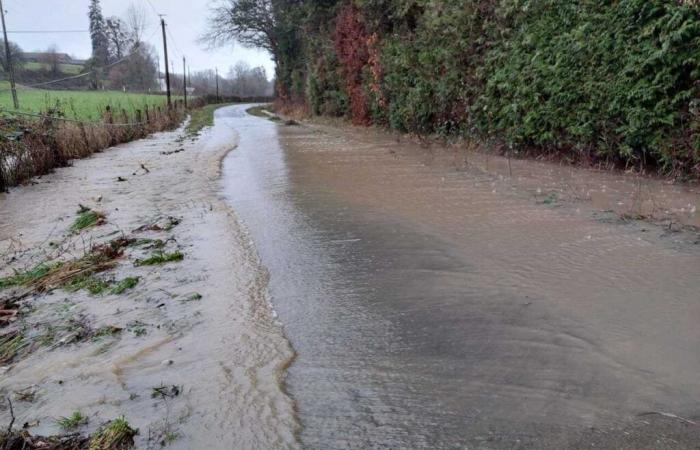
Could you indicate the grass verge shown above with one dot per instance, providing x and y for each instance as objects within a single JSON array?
[
  {"x": 260, "y": 111},
  {"x": 201, "y": 118}
]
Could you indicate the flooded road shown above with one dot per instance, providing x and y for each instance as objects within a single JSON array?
[{"x": 439, "y": 308}]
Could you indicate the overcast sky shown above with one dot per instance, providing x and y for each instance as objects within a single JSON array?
[{"x": 186, "y": 20}]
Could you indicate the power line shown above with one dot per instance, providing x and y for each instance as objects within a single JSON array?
[
  {"x": 46, "y": 31},
  {"x": 153, "y": 7},
  {"x": 172, "y": 38}
]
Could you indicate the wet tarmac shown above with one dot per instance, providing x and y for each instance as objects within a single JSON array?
[{"x": 434, "y": 305}]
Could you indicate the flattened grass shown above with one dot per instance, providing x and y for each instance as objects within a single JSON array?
[
  {"x": 87, "y": 219},
  {"x": 116, "y": 435},
  {"x": 160, "y": 258}
]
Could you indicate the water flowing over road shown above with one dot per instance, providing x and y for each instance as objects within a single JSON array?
[{"x": 439, "y": 308}]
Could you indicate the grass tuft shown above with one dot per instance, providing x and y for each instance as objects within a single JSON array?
[
  {"x": 160, "y": 258},
  {"x": 116, "y": 435},
  {"x": 72, "y": 422},
  {"x": 86, "y": 219},
  {"x": 124, "y": 285}
]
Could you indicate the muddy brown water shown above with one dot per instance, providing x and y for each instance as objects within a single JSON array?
[{"x": 434, "y": 305}]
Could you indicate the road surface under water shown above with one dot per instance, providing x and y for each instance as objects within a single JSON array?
[{"x": 439, "y": 308}]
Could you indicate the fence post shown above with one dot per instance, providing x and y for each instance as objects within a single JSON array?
[
  {"x": 148, "y": 117},
  {"x": 125, "y": 116},
  {"x": 138, "y": 116},
  {"x": 108, "y": 115},
  {"x": 2, "y": 173}
]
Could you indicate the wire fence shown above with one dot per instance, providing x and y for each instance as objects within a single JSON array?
[{"x": 108, "y": 115}]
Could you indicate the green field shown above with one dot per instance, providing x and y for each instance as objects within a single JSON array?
[
  {"x": 82, "y": 105},
  {"x": 69, "y": 69}
]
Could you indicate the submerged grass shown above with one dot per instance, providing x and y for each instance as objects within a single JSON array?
[
  {"x": 93, "y": 285},
  {"x": 86, "y": 219},
  {"x": 160, "y": 258},
  {"x": 72, "y": 275},
  {"x": 124, "y": 285},
  {"x": 27, "y": 277}
]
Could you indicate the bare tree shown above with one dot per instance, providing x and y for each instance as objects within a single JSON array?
[
  {"x": 136, "y": 23},
  {"x": 51, "y": 59},
  {"x": 249, "y": 22},
  {"x": 244, "y": 81},
  {"x": 15, "y": 56}
]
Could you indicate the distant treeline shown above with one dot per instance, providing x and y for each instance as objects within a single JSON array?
[{"x": 591, "y": 80}]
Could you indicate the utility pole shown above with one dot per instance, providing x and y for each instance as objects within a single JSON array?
[
  {"x": 217, "y": 84},
  {"x": 184, "y": 79},
  {"x": 167, "y": 70},
  {"x": 8, "y": 57}
]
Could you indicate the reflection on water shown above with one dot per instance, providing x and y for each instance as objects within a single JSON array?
[{"x": 434, "y": 308}]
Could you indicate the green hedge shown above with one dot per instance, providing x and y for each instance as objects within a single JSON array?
[
  {"x": 609, "y": 80},
  {"x": 613, "y": 79}
]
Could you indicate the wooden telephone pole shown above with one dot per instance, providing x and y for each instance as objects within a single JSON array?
[
  {"x": 8, "y": 57},
  {"x": 217, "y": 84},
  {"x": 167, "y": 70},
  {"x": 184, "y": 79}
]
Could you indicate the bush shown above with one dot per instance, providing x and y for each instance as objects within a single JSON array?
[{"x": 612, "y": 80}]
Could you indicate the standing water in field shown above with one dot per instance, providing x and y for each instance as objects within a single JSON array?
[{"x": 439, "y": 308}]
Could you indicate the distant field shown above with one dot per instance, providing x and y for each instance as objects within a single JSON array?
[
  {"x": 83, "y": 105},
  {"x": 70, "y": 69}
]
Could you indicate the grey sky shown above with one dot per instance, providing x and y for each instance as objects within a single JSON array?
[{"x": 186, "y": 19}]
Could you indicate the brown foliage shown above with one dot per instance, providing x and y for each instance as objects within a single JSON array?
[{"x": 351, "y": 45}]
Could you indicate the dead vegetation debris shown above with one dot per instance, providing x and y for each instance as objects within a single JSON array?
[
  {"x": 164, "y": 391},
  {"x": 23, "y": 440},
  {"x": 115, "y": 435},
  {"x": 9, "y": 309},
  {"x": 71, "y": 274},
  {"x": 172, "y": 152},
  {"x": 163, "y": 224}
]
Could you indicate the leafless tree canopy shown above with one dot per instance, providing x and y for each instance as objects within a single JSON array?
[
  {"x": 51, "y": 59},
  {"x": 136, "y": 22},
  {"x": 248, "y": 22}
]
